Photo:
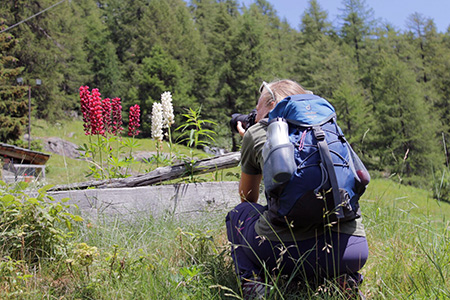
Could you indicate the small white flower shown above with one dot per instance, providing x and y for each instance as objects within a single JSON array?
[
  {"x": 157, "y": 121},
  {"x": 167, "y": 107}
]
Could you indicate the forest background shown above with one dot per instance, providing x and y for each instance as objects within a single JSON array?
[{"x": 390, "y": 88}]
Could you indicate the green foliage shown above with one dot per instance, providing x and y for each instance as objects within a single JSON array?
[
  {"x": 314, "y": 22},
  {"x": 13, "y": 105},
  {"x": 159, "y": 73},
  {"x": 194, "y": 131},
  {"x": 32, "y": 226},
  {"x": 104, "y": 66},
  {"x": 195, "y": 134},
  {"x": 109, "y": 156},
  {"x": 405, "y": 140},
  {"x": 62, "y": 67},
  {"x": 358, "y": 20},
  {"x": 14, "y": 276}
]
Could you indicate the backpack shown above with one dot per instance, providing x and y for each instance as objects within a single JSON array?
[{"x": 328, "y": 177}]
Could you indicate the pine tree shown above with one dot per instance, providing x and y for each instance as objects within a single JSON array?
[
  {"x": 314, "y": 23},
  {"x": 105, "y": 72},
  {"x": 358, "y": 22},
  {"x": 13, "y": 104},
  {"x": 239, "y": 72},
  {"x": 422, "y": 34},
  {"x": 49, "y": 48},
  {"x": 406, "y": 141},
  {"x": 279, "y": 42},
  {"x": 330, "y": 72},
  {"x": 159, "y": 73},
  {"x": 214, "y": 25},
  {"x": 123, "y": 19},
  {"x": 167, "y": 26}
]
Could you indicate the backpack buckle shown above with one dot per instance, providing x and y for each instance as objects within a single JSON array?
[{"x": 318, "y": 133}]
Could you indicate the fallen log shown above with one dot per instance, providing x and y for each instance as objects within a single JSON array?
[{"x": 161, "y": 174}]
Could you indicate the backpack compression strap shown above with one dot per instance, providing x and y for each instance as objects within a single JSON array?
[{"x": 325, "y": 156}]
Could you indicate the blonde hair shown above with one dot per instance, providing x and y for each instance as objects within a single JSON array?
[{"x": 281, "y": 89}]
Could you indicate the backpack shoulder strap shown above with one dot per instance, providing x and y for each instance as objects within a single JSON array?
[
  {"x": 325, "y": 156},
  {"x": 264, "y": 121}
]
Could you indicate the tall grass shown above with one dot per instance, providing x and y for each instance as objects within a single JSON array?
[
  {"x": 176, "y": 257},
  {"x": 149, "y": 259},
  {"x": 408, "y": 234}
]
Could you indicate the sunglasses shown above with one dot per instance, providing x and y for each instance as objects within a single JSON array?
[{"x": 266, "y": 86}]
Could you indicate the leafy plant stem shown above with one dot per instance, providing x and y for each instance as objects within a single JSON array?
[
  {"x": 100, "y": 155},
  {"x": 130, "y": 153}
]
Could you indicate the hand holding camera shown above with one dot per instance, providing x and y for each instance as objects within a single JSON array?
[{"x": 245, "y": 122}]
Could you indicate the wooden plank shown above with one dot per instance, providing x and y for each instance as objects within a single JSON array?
[
  {"x": 186, "y": 200},
  {"x": 23, "y": 155},
  {"x": 161, "y": 174}
]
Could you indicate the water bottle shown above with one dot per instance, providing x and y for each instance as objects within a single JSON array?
[{"x": 278, "y": 154}]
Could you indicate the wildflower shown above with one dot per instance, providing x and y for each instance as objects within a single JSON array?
[
  {"x": 157, "y": 121},
  {"x": 134, "y": 124},
  {"x": 96, "y": 113},
  {"x": 85, "y": 96},
  {"x": 116, "y": 116},
  {"x": 106, "y": 106},
  {"x": 167, "y": 108}
]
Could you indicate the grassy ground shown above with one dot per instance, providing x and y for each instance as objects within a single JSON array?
[{"x": 170, "y": 258}]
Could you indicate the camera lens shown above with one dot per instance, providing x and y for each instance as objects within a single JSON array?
[{"x": 235, "y": 118}]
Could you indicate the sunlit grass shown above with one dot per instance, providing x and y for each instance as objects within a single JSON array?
[{"x": 408, "y": 235}]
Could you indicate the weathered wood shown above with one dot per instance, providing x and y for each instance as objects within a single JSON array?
[
  {"x": 186, "y": 200},
  {"x": 21, "y": 155},
  {"x": 161, "y": 174}
]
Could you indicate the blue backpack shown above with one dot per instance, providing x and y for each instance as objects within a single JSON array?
[{"x": 329, "y": 178}]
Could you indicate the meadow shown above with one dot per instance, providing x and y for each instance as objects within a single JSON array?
[{"x": 173, "y": 258}]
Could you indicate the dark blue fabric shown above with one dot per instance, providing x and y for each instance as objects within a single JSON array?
[
  {"x": 329, "y": 255},
  {"x": 304, "y": 109}
]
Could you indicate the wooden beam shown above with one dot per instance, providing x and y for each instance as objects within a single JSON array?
[{"x": 24, "y": 155}]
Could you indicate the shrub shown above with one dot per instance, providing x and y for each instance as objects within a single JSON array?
[{"x": 33, "y": 227}]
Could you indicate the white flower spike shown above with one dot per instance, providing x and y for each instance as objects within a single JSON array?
[
  {"x": 167, "y": 107},
  {"x": 157, "y": 121}
]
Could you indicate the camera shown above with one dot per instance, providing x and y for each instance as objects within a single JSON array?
[{"x": 246, "y": 120}]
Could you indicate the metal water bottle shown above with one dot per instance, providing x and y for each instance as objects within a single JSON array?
[{"x": 278, "y": 154}]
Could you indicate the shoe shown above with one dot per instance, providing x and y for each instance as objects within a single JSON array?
[
  {"x": 254, "y": 289},
  {"x": 349, "y": 287}
]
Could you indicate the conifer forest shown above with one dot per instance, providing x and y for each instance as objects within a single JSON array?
[{"x": 390, "y": 87}]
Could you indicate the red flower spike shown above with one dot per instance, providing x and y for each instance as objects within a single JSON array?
[
  {"x": 96, "y": 113},
  {"x": 134, "y": 123},
  {"x": 116, "y": 116},
  {"x": 85, "y": 97},
  {"x": 106, "y": 106}
]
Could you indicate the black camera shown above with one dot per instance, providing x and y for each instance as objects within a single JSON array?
[{"x": 246, "y": 120}]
